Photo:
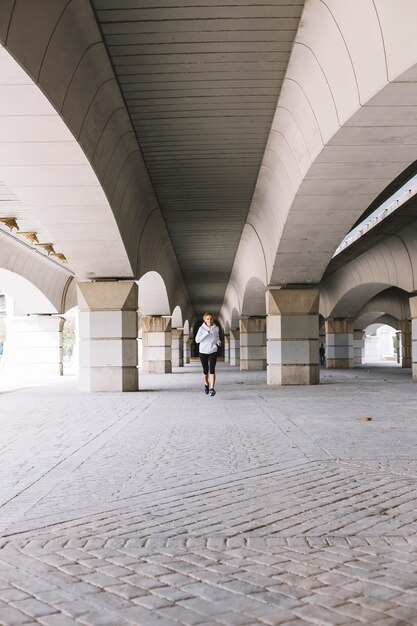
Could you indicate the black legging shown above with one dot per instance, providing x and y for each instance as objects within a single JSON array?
[{"x": 208, "y": 360}]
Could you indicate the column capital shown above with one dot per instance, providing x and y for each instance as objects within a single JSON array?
[
  {"x": 107, "y": 296},
  {"x": 156, "y": 324},
  {"x": 339, "y": 325},
  {"x": 413, "y": 306},
  {"x": 292, "y": 301}
]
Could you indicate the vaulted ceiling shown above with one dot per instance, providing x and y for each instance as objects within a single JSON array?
[{"x": 201, "y": 82}]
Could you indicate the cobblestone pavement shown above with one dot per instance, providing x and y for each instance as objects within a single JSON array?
[{"x": 167, "y": 507}]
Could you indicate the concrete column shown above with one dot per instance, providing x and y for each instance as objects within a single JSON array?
[
  {"x": 413, "y": 309},
  {"x": 226, "y": 348},
  {"x": 253, "y": 344},
  {"x": 177, "y": 338},
  {"x": 406, "y": 343},
  {"x": 292, "y": 336},
  {"x": 234, "y": 348},
  {"x": 156, "y": 340},
  {"x": 108, "y": 335},
  {"x": 33, "y": 347},
  {"x": 186, "y": 348},
  {"x": 358, "y": 346},
  {"x": 339, "y": 343}
]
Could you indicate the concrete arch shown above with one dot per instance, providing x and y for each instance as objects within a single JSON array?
[
  {"x": 367, "y": 319},
  {"x": 157, "y": 255},
  {"x": 177, "y": 318},
  {"x": 36, "y": 283},
  {"x": 250, "y": 261},
  {"x": 326, "y": 158},
  {"x": 388, "y": 264},
  {"x": 353, "y": 300},
  {"x": 393, "y": 303},
  {"x": 153, "y": 295},
  {"x": 66, "y": 59},
  {"x": 254, "y": 301},
  {"x": 186, "y": 327},
  {"x": 234, "y": 321},
  {"x": 56, "y": 193}
]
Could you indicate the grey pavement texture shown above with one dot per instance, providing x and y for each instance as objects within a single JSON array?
[{"x": 168, "y": 507}]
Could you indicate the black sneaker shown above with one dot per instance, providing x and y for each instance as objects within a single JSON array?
[
  {"x": 206, "y": 390},
  {"x": 212, "y": 392}
]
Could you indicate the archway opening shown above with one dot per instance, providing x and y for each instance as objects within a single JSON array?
[{"x": 381, "y": 345}]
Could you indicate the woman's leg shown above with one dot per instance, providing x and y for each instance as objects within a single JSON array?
[
  {"x": 204, "y": 358},
  {"x": 212, "y": 363}
]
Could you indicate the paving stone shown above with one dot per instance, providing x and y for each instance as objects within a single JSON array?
[{"x": 278, "y": 507}]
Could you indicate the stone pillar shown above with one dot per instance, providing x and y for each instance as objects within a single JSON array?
[
  {"x": 253, "y": 344},
  {"x": 413, "y": 309},
  {"x": 234, "y": 348},
  {"x": 186, "y": 348},
  {"x": 33, "y": 347},
  {"x": 358, "y": 346},
  {"x": 339, "y": 343},
  {"x": 292, "y": 336},
  {"x": 108, "y": 335},
  {"x": 156, "y": 339},
  {"x": 406, "y": 343},
  {"x": 177, "y": 338},
  {"x": 226, "y": 348}
]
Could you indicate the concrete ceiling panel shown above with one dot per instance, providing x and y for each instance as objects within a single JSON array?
[
  {"x": 362, "y": 36},
  {"x": 397, "y": 95},
  {"x": 107, "y": 100},
  {"x": 64, "y": 56},
  {"x": 397, "y": 21},
  {"x": 354, "y": 171},
  {"x": 82, "y": 86},
  {"x": 293, "y": 100},
  {"x": 42, "y": 175},
  {"x": 324, "y": 39},
  {"x": 368, "y": 154},
  {"x": 126, "y": 156},
  {"x": 6, "y": 10},
  {"x": 117, "y": 126},
  {"x": 384, "y": 116},
  {"x": 22, "y": 100},
  {"x": 304, "y": 69},
  {"x": 31, "y": 128},
  {"x": 30, "y": 49},
  {"x": 375, "y": 135},
  {"x": 201, "y": 85},
  {"x": 46, "y": 153}
]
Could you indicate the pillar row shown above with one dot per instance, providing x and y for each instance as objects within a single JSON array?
[
  {"x": 226, "y": 348},
  {"x": 292, "y": 336},
  {"x": 177, "y": 347},
  {"x": 358, "y": 346},
  {"x": 33, "y": 347},
  {"x": 157, "y": 342},
  {"x": 406, "y": 343},
  {"x": 253, "y": 344},
  {"x": 339, "y": 343},
  {"x": 413, "y": 309},
  {"x": 186, "y": 348},
  {"x": 234, "y": 349},
  {"x": 108, "y": 336}
]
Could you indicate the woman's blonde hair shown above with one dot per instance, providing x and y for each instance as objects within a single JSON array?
[{"x": 206, "y": 314}]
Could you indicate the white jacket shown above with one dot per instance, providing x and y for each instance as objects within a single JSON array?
[{"x": 207, "y": 337}]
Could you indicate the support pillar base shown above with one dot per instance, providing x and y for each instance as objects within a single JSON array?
[{"x": 293, "y": 375}]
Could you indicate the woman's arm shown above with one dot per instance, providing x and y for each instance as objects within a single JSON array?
[{"x": 202, "y": 332}]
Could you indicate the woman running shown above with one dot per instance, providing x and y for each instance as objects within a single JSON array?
[{"x": 208, "y": 339}]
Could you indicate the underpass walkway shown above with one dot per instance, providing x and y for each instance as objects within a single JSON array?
[{"x": 258, "y": 506}]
